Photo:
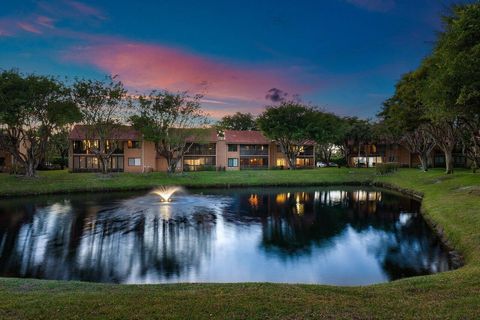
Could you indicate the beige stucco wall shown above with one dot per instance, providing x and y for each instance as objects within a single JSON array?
[
  {"x": 132, "y": 153},
  {"x": 221, "y": 154},
  {"x": 149, "y": 156},
  {"x": 232, "y": 154}
]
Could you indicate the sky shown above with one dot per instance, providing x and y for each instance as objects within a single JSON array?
[{"x": 342, "y": 55}]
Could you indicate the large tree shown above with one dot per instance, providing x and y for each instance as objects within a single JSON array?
[
  {"x": 452, "y": 90},
  {"x": 404, "y": 117},
  {"x": 287, "y": 124},
  {"x": 327, "y": 130},
  {"x": 358, "y": 134},
  {"x": 103, "y": 105},
  {"x": 237, "y": 121},
  {"x": 31, "y": 108},
  {"x": 173, "y": 121},
  {"x": 59, "y": 144}
]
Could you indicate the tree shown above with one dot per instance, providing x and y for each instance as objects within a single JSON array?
[
  {"x": 359, "y": 133},
  {"x": 452, "y": 90},
  {"x": 327, "y": 130},
  {"x": 59, "y": 144},
  {"x": 31, "y": 108},
  {"x": 287, "y": 124},
  {"x": 173, "y": 121},
  {"x": 103, "y": 105},
  {"x": 404, "y": 117},
  {"x": 237, "y": 121}
]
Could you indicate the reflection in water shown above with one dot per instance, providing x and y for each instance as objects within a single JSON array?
[{"x": 312, "y": 235}]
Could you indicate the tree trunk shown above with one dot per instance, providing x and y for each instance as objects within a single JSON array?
[
  {"x": 30, "y": 169},
  {"x": 171, "y": 164},
  {"x": 358, "y": 156},
  {"x": 103, "y": 164},
  {"x": 448, "y": 162},
  {"x": 291, "y": 163},
  {"x": 423, "y": 157},
  {"x": 346, "y": 154}
]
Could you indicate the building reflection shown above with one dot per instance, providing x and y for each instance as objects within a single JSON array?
[
  {"x": 296, "y": 223},
  {"x": 114, "y": 238}
]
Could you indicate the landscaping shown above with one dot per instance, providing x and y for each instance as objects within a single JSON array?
[{"x": 450, "y": 202}]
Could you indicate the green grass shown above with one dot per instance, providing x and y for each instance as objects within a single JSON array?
[
  {"x": 451, "y": 202},
  {"x": 62, "y": 181}
]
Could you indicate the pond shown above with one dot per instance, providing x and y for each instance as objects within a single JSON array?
[{"x": 340, "y": 235}]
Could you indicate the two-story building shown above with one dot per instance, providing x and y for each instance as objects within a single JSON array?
[
  {"x": 380, "y": 152},
  {"x": 233, "y": 150}
]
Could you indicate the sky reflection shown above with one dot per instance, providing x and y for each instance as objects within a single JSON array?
[{"x": 312, "y": 235}]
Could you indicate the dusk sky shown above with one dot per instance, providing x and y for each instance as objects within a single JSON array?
[{"x": 343, "y": 55}]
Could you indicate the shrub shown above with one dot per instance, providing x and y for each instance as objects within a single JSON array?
[{"x": 386, "y": 168}]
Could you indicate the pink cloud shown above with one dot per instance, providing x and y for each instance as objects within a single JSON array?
[
  {"x": 146, "y": 66},
  {"x": 85, "y": 9},
  {"x": 374, "y": 5},
  {"x": 29, "y": 27},
  {"x": 45, "y": 21}
]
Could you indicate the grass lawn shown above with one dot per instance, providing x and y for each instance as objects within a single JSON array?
[{"x": 451, "y": 202}]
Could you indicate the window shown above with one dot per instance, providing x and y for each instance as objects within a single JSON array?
[
  {"x": 253, "y": 150},
  {"x": 232, "y": 162},
  {"x": 281, "y": 163},
  {"x": 2, "y": 162},
  {"x": 134, "y": 162},
  {"x": 132, "y": 144},
  {"x": 208, "y": 149},
  {"x": 232, "y": 148}
]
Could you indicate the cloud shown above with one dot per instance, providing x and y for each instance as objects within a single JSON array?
[
  {"x": 42, "y": 18},
  {"x": 86, "y": 10},
  {"x": 29, "y": 27},
  {"x": 45, "y": 21},
  {"x": 276, "y": 95},
  {"x": 374, "y": 5},
  {"x": 147, "y": 66}
]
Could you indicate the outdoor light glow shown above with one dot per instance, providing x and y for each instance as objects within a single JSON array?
[{"x": 165, "y": 193}]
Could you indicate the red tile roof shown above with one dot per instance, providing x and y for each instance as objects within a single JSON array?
[
  {"x": 245, "y": 137},
  {"x": 80, "y": 132}
]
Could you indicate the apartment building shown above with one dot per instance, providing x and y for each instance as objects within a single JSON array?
[
  {"x": 231, "y": 150},
  {"x": 368, "y": 155}
]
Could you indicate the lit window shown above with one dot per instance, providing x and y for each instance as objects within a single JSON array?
[{"x": 131, "y": 144}]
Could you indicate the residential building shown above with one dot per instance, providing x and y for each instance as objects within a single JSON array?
[
  {"x": 372, "y": 153},
  {"x": 232, "y": 150}
]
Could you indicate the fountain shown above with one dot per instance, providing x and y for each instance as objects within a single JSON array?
[{"x": 165, "y": 193}]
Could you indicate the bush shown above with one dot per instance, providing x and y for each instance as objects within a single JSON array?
[{"x": 386, "y": 168}]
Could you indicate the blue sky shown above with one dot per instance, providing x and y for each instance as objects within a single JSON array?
[{"x": 343, "y": 55}]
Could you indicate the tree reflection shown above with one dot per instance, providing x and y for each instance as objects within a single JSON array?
[
  {"x": 128, "y": 238},
  {"x": 74, "y": 240},
  {"x": 296, "y": 223}
]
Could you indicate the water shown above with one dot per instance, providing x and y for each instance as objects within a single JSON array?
[{"x": 294, "y": 235}]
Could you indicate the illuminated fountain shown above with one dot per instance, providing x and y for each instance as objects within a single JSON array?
[{"x": 165, "y": 193}]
